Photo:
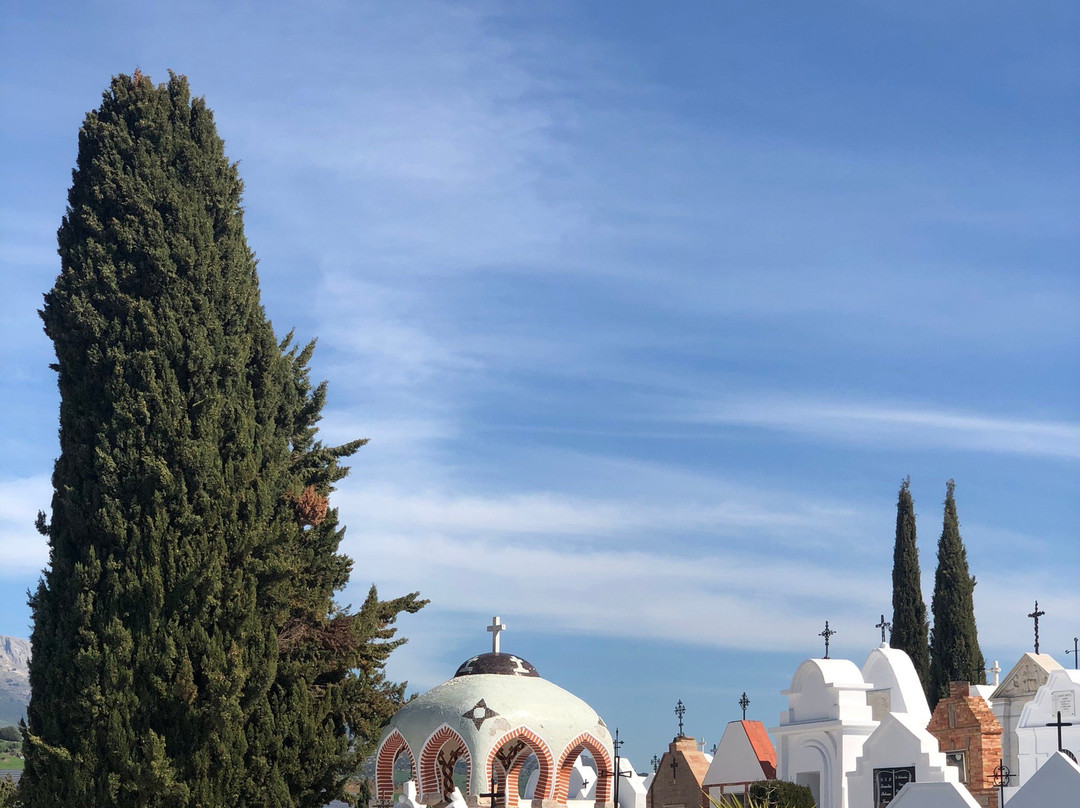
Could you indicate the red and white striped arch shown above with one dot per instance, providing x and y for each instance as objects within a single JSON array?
[
  {"x": 573, "y": 750},
  {"x": 535, "y": 744},
  {"x": 434, "y": 782},
  {"x": 389, "y": 751}
]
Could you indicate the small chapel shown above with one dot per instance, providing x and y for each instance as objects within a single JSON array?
[{"x": 468, "y": 740}]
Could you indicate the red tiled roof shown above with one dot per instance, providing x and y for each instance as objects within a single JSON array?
[{"x": 762, "y": 746}]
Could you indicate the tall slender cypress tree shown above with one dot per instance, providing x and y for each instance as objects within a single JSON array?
[
  {"x": 186, "y": 620},
  {"x": 909, "y": 627},
  {"x": 954, "y": 643}
]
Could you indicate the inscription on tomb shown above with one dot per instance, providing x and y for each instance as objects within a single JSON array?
[
  {"x": 1065, "y": 702},
  {"x": 888, "y": 782}
]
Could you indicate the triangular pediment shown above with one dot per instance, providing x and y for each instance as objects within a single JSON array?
[{"x": 1026, "y": 677}]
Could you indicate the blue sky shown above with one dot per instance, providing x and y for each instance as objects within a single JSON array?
[{"x": 646, "y": 308}]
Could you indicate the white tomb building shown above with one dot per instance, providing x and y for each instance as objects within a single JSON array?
[
  {"x": 1036, "y": 740},
  {"x": 898, "y": 752},
  {"x": 895, "y": 685},
  {"x": 1009, "y": 698},
  {"x": 822, "y": 732}
]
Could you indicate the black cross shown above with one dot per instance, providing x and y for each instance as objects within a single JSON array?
[
  {"x": 680, "y": 710},
  {"x": 1036, "y": 615},
  {"x": 494, "y": 791},
  {"x": 1059, "y": 724},
  {"x": 655, "y": 764},
  {"x": 617, "y": 744},
  {"x": 827, "y": 633},
  {"x": 674, "y": 765},
  {"x": 744, "y": 703},
  {"x": 883, "y": 625},
  {"x": 1076, "y": 642},
  {"x": 1002, "y": 776}
]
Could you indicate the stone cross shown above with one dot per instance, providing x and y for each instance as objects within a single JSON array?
[
  {"x": 883, "y": 625},
  {"x": 744, "y": 702},
  {"x": 495, "y": 628},
  {"x": 827, "y": 633},
  {"x": 680, "y": 710},
  {"x": 995, "y": 670},
  {"x": 1059, "y": 724},
  {"x": 1036, "y": 615}
]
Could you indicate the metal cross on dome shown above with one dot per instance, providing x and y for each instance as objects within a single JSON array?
[
  {"x": 495, "y": 628},
  {"x": 1036, "y": 615}
]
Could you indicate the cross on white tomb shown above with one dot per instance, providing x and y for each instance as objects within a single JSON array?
[
  {"x": 495, "y": 628},
  {"x": 996, "y": 670}
]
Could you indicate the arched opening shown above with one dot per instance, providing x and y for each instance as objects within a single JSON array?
[
  {"x": 604, "y": 767},
  {"x": 443, "y": 751},
  {"x": 504, "y": 766},
  {"x": 385, "y": 762}
]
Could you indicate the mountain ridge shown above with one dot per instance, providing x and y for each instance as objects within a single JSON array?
[{"x": 14, "y": 679}]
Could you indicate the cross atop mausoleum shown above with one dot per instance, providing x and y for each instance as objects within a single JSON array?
[
  {"x": 680, "y": 711},
  {"x": 1036, "y": 615},
  {"x": 827, "y": 633},
  {"x": 495, "y": 628},
  {"x": 883, "y": 625},
  {"x": 744, "y": 702}
]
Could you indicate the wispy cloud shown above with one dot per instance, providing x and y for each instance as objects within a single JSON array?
[{"x": 895, "y": 425}]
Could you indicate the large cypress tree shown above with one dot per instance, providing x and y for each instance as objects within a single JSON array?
[
  {"x": 954, "y": 643},
  {"x": 909, "y": 626},
  {"x": 185, "y": 637}
]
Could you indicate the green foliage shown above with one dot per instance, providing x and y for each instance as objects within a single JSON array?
[
  {"x": 9, "y": 793},
  {"x": 910, "y": 631},
  {"x": 10, "y": 734},
  {"x": 186, "y": 646},
  {"x": 954, "y": 643},
  {"x": 781, "y": 794}
]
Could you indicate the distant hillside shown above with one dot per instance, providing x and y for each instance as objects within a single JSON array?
[{"x": 14, "y": 679}]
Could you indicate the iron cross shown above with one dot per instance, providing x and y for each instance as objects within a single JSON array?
[
  {"x": 495, "y": 628},
  {"x": 1059, "y": 724},
  {"x": 1036, "y": 615},
  {"x": 744, "y": 702},
  {"x": 680, "y": 710},
  {"x": 495, "y": 793},
  {"x": 827, "y": 633},
  {"x": 674, "y": 765},
  {"x": 883, "y": 625}
]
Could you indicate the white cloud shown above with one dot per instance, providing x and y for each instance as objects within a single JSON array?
[
  {"x": 22, "y": 549},
  {"x": 897, "y": 425}
]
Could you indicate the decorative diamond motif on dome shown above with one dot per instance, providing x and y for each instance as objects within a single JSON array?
[{"x": 479, "y": 714}]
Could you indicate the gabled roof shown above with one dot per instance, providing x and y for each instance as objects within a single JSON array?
[
  {"x": 1028, "y": 674},
  {"x": 745, "y": 753},
  {"x": 1056, "y": 783}
]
